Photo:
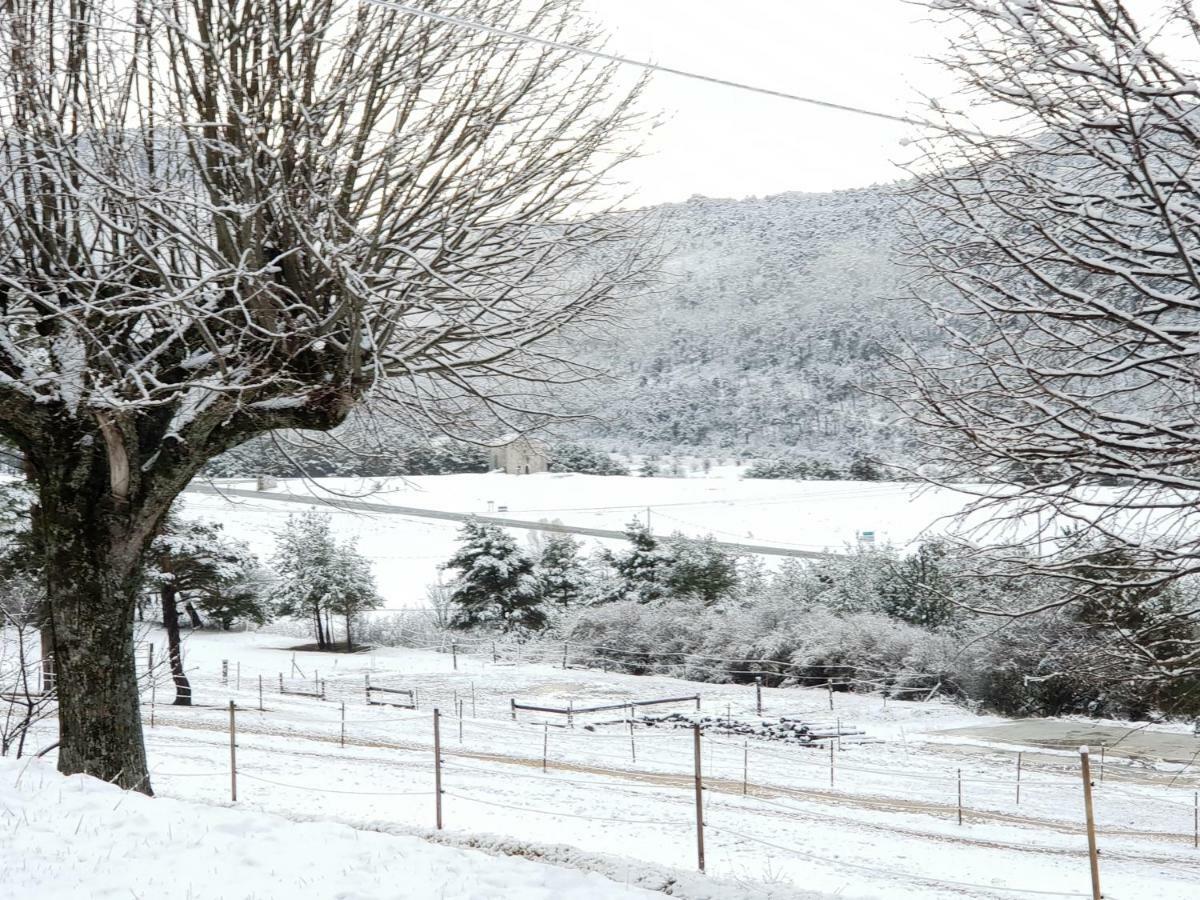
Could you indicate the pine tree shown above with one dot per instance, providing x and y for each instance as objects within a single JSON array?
[
  {"x": 700, "y": 569},
  {"x": 560, "y": 571},
  {"x": 194, "y": 563},
  {"x": 306, "y": 564},
  {"x": 496, "y": 585},
  {"x": 644, "y": 569},
  {"x": 354, "y": 588}
]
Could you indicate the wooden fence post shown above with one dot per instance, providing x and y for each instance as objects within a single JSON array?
[
  {"x": 232, "y": 753},
  {"x": 758, "y": 693},
  {"x": 1103, "y": 747},
  {"x": 493, "y": 653},
  {"x": 1086, "y": 771},
  {"x": 437, "y": 767},
  {"x": 513, "y": 703},
  {"x": 632, "y": 745},
  {"x": 343, "y": 724},
  {"x": 460, "y": 718},
  {"x": 152, "y": 686},
  {"x": 745, "y": 767},
  {"x": 454, "y": 654},
  {"x": 831, "y": 763},
  {"x": 829, "y": 686},
  {"x": 281, "y": 682},
  {"x": 224, "y": 671},
  {"x": 367, "y": 686},
  {"x": 565, "y": 655},
  {"x": 960, "y": 796},
  {"x": 150, "y": 658},
  {"x": 1018, "y": 778},
  {"x": 699, "y": 799}
]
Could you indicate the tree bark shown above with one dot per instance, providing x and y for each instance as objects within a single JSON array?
[
  {"x": 349, "y": 646},
  {"x": 197, "y": 622},
  {"x": 183, "y": 687},
  {"x": 320, "y": 632},
  {"x": 91, "y": 574}
]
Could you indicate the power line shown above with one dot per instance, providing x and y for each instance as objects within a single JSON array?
[{"x": 654, "y": 67}]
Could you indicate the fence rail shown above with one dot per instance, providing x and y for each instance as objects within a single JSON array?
[
  {"x": 412, "y": 697},
  {"x": 572, "y": 711}
]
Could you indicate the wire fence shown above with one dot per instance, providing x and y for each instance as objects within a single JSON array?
[
  {"x": 732, "y": 815},
  {"x": 480, "y": 744}
]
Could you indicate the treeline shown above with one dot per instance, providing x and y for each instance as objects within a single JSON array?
[
  {"x": 292, "y": 455},
  {"x": 356, "y": 455},
  {"x": 875, "y": 620},
  {"x": 860, "y": 467}
]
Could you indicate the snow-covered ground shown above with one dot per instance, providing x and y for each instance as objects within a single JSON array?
[
  {"x": 883, "y": 824},
  {"x": 814, "y": 515},
  {"x": 81, "y": 838}
]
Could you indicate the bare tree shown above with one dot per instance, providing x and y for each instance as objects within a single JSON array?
[
  {"x": 1063, "y": 263},
  {"x": 25, "y": 699},
  {"x": 223, "y": 217}
]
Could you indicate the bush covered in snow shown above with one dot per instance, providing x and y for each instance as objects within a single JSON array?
[
  {"x": 583, "y": 460},
  {"x": 877, "y": 621}
]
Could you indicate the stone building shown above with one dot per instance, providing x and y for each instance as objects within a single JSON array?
[{"x": 520, "y": 456}]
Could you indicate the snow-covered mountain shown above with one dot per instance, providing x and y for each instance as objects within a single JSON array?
[{"x": 771, "y": 316}]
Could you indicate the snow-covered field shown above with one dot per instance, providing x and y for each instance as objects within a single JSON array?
[
  {"x": 778, "y": 823},
  {"x": 815, "y": 515},
  {"x": 81, "y": 838}
]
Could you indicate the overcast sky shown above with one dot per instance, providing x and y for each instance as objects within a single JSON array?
[{"x": 722, "y": 142}]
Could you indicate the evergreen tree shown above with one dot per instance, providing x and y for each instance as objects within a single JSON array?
[
  {"x": 865, "y": 467},
  {"x": 193, "y": 563},
  {"x": 643, "y": 570},
  {"x": 917, "y": 590},
  {"x": 319, "y": 576},
  {"x": 18, "y": 554},
  {"x": 576, "y": 458},
  {"x": 700, "y": 569},
  {"x": 355, "y": 590},
  {"x": 496, "y": 585},
  {"x": 560, "y": 571}
]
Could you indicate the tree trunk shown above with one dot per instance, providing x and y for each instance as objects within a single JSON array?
[
  {"x": 349, "y": 646},
  {"x": 92, "y": 572},
  {"x": 320, "y": 631},
  {"x": 197, "y": 622},
  {"x": 183, "y": 687}
]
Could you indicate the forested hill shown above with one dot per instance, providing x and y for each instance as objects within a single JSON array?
[{"x": 769, "y": 320}]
